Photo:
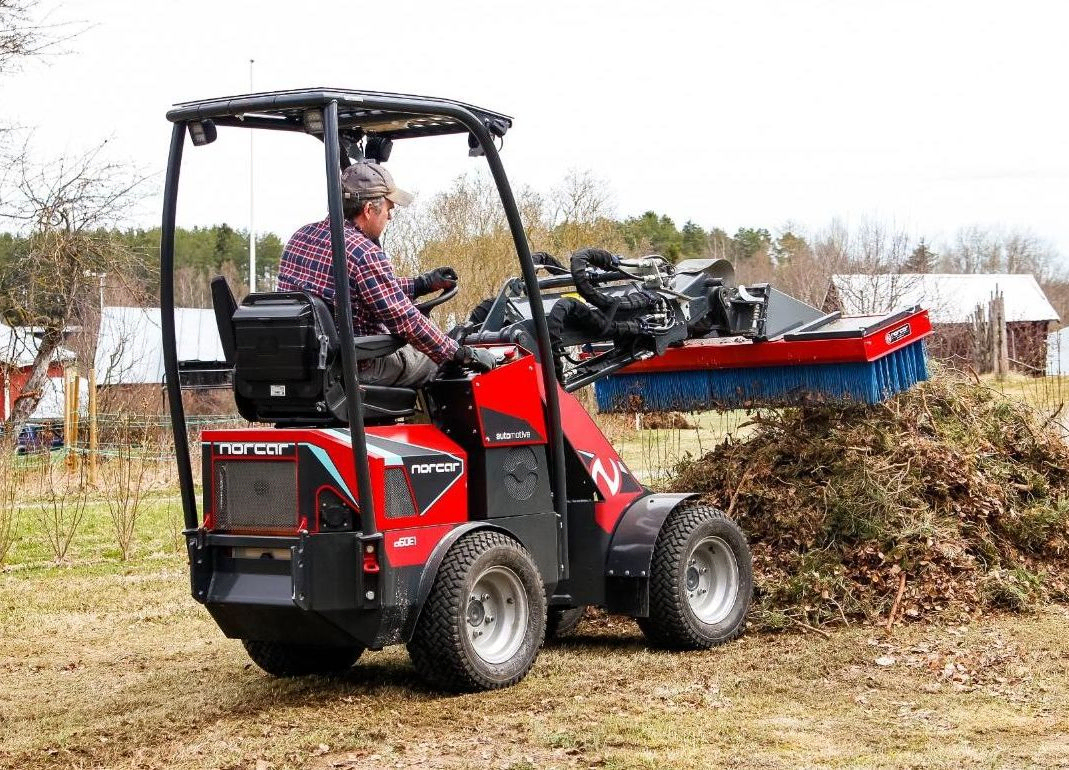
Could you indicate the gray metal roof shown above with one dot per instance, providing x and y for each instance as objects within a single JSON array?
[
  {"x": 19, "y": 346},
  {"x": 130, "y": 347},
  {"x": 948, "y": 297}
]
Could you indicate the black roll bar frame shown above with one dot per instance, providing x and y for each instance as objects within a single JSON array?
[{"x": 328, "y": 101}]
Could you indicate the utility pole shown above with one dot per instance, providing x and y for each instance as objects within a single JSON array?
[{"x": 252, "y": 219}]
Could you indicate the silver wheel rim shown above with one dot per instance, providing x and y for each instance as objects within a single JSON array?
[
  {"x": 711, "y": 580},
  {"x": 497, "y": 614}
]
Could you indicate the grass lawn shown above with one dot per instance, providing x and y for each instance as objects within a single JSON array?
[{"x": 113, "y": 665}]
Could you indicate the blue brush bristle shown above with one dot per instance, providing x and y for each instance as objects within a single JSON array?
[{"x": 868, "y": 383}]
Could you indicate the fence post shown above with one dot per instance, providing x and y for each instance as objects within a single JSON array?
[
  {"x": 68, "y": 374},
  {"x": 1000, "y": 354},
  {"x": 92, "y": 426}
]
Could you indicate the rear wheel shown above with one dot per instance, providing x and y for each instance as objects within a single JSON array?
[
  {"x": 283, "y": 659},
  {"x": 563, "y": 621},
  {"x": 485, "y": 618},
  {"x": 701, "y": 580}
]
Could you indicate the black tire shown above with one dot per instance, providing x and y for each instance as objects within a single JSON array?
[
  {"x": 283, "y": 659},
  {"x": 701, "y": 581},
  {"x": 485, "y": 618},
  {"x": 562, "y": 621}
]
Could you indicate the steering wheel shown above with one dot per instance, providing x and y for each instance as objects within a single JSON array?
[{"x": 427, "y": 305}]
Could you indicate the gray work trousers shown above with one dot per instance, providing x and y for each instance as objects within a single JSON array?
[{"x": 405, "y": 368}]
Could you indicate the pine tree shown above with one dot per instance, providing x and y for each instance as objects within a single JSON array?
[{"x": 922, "y": 260}]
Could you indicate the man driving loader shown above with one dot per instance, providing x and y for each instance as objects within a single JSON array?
[{"x": 382, "y": 302}]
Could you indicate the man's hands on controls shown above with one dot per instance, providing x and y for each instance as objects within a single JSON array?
[
  {"x": 479, "y": 359},
  {"x": 439, "y": 279}
]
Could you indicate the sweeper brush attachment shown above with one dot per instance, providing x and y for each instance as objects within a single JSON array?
[
  {"x": 652, "y": 335},
  {"x": 862, "y": 359}
]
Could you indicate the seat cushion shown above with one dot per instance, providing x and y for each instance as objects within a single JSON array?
[{"x": 381, "y": 401}]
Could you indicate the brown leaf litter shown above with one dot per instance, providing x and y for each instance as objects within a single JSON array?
[{"x": 949, "y": 500}]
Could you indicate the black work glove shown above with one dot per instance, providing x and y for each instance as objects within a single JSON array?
[
  {"x": 439, "y": 279},
  {"x": 479, "y": 359}
]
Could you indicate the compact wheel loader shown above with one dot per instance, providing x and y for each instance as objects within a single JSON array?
[{"x": 335, "y": 523}]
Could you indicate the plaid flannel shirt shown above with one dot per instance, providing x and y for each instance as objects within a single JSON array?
[{"x": 382, "y": 302}]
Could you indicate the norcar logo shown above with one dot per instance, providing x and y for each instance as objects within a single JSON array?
[
  {"x": 434, "y": 467},
  {"x": 897, "y": 334},
  {"x": 262, "y": 449}
]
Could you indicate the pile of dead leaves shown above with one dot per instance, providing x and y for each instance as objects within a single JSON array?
[{"x": 950, "y": 499}]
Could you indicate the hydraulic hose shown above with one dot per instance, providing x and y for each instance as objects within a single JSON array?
[
  {"x": 582, "y": 261},
  {"x": 571, "y": 314}
]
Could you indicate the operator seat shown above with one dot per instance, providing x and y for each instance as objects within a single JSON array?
[{"x": 285, "y": 352}]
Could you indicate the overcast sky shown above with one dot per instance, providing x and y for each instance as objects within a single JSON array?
[{"x": 928, "y": 116}]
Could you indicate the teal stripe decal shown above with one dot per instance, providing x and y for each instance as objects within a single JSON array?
[{"x": 326, "y": 462}]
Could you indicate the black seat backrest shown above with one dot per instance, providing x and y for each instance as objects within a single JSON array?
[
  {"x": 284, "y": 347},
  {"x": 224, "y": 304}
]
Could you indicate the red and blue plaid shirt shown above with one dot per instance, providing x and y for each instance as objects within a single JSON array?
[{"x": 382, "y": 302}]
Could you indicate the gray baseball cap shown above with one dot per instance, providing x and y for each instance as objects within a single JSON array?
[{"x": 367, "y": 180}]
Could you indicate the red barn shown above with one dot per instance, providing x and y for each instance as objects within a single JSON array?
[{"x": 18, "y": 348}]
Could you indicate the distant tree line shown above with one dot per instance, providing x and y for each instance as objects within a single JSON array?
[
  {"x": 464, "y": 226},
  {"x": 200, "y": 253}
]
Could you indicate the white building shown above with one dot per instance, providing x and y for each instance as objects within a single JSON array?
[
  {"x": 1058, "y": 352},
  {"x": 130, "y": 345},
  {"x": 951, "y": 300}
]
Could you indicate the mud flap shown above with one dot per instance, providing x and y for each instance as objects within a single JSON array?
[{"x": 627, "y": 564}]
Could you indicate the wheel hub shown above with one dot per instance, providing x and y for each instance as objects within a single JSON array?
[
  {"x": 692, "y": 578},
  {"x": 497, "y": 614},
  {"x": 476, "y": 612},
  {"x": 712, "y": 580}
]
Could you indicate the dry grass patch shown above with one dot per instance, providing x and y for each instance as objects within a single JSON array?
[{"x": 109, "y": 666}]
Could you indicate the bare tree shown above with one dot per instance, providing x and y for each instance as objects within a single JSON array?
[
  {"x": 20, "y": 35},
  {"x": 978, "y": 249},
  {"x": 798, "y": 270},
  {"x": 581, "y": 215},
  {"x": 65, "y": 207},
  {"x": 10, "y": 481},
  {"x": 127, "y": 470},
  {"x": 832, "y": 246},
  {"x": 62, "y": 507}
]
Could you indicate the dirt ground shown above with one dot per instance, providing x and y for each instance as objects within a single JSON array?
[{"x": 106, "y": 666}]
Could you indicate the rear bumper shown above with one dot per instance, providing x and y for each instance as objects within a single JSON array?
[{"x": 321, "y": 594}]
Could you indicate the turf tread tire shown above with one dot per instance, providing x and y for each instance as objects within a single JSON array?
[
  {"x": 283, "y": 659},
  {"x": 671, "y": 622},
  {"x": 440, "y": 649}
]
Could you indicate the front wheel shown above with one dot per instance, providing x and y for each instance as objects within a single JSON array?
[
  {"x": 701, "y": 580},
  {"x": 485, "y": 618}
]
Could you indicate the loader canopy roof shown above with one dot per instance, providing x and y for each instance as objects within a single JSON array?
[{"x": 390, "y": 116}]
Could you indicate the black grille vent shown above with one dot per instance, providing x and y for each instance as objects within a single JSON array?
[
  {"x": 255, "y": 495},
  {"x": 398, "y": 498},
  {"x": 521, "y": 473}
]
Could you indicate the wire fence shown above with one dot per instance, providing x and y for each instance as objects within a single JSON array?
[{"x": 118, "y": 436}]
